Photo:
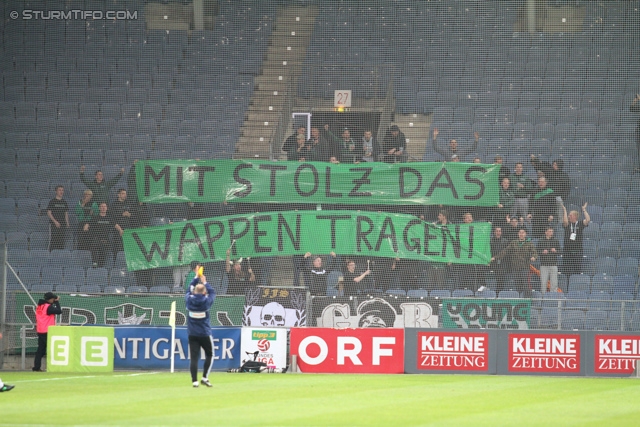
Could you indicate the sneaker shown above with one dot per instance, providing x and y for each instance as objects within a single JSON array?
[
  {"x": 6, "y": 387},
  {"x": 36, "y": 370},
  {"x": 205, "y": 381},
  {"x": 196, "y": 384}
]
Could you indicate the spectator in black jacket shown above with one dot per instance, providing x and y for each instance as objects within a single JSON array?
[
  {"x": 557, "y": 179},
  {"x": 301, "y": 152},
  {"x": 453, "y": 148},
  {"x": 499, "y": 267},
  {"x": 291, "y": 141},
  {"x": 99, "y": 186},
  {"x": 394, "y": 146},
  {"x": 542, "y": 207},
  {"x": 319, "y": 273},
  {"x": 100, "y": 228}
]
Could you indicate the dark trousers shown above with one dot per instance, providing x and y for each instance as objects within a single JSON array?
[
  {"x": 299, "y": 263},
  {"x": 195, "y": 344},
  {"x": 572, "y": 263},
  {"x": 521, "y": 279},
  {"x": 57, "y": 237},
  {"x": 41, "y": 352},
  {"x": 100, "y": 249}
]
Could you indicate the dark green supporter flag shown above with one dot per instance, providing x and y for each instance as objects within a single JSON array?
[
  {"x": 319, "y": 232},
  {"x": 260, "y": 181}
]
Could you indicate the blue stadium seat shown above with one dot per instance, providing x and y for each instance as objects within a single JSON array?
[
  {"x": 17, "y": 240},
  {"x": 38, "y": 240},
  {"x": 462, "y": 293},
  {"x": 8, "y": 222},
  {"x": 66, "y": 288},
  {"x": 98, "y": 276},
  {"x": 395, "y": 292},
  {"x": 580, "y": 283},
  {"x": 596, "y": 320},
  {"x": 75, "y": 276},
  {"x": 549, "y": 318},
  {"x": 417, "y": 293},
  {"x": 90, "y": 289},
  {"x": 52, "y": 275},
  {"x": 7, "y": 205},
  {"x": 573, "y": 320},
  {"x": 577, "y": 300},
  {"x": 440, "y": 293},
  {"x": 624, "y": 283},
  {"x": 627, "y": 266},
  {"x": 606, "y": 265}
]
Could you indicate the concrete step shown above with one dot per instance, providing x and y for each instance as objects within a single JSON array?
[
  {"x": 253, "y": 131},
  {"x": 262, "y": 117},
  {"x": 273, "y": 85},
  {"x": 268, "y": 100},
  {"x": 285, "y": 55}
]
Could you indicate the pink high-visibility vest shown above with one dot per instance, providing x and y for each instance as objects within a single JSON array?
[{"x": 44, "y": 320}]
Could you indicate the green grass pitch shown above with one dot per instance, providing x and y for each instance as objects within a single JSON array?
[{"x": 163, "y": 399}]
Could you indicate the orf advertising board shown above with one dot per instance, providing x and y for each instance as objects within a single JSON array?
[
  {"x": 540, "y": 352},
  {"x": 614, "y": 354},
  {"x": 271, "y": 345},
  {"x": 450, "y": 351},
  {"x": 362, "y": 351}
]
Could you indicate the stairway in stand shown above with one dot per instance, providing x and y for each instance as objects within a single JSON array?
[{"x": 287, "y": 48}]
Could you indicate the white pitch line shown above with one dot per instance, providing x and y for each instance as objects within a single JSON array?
[{"x": 88, "y": 376}]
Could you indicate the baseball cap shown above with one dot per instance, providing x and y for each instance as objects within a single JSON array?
[{"x": 50, "y": 295}]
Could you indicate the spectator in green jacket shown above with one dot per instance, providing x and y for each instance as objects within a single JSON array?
[
  {"x": 86, "y": 209},
  {"x": 522, "y": 186},
  {"x": 99, "y": 186},
  {"x": 521, "y": 253}
]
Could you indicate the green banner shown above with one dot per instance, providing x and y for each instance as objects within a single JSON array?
[
  {"x": 475, "y": 313},
  {"x": 260, "y": 181},
  {"x": 127, "y": 309},
  {"x": 318, "y": 232},
  {"x": 77, "y": 349}
]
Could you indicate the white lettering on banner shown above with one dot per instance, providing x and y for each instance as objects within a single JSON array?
[
  {"x": 94, "y": 351},
  {"x": 149, "y": 348},
  {"x": 418, "y": 315},
  {"x": 135, "y": 342},
  {"x": 621, "y": 346},
  {"x": 412, "y": 315},
  {"x": 351, "y": 353},
  {"x": 611, "y": 364},
  {"x": 378, "y": 351},
  {"x": 452, "y": 361},
  {"x": 179, "y": 350},
  {"x": 302, "y": 350},
  {"x": 154, "y": 349},
  {"x": 453, "y": 351},
  {"x": 549, "y": 346},
  {"x": 60, "y": 350},
  {"x": 453, "y": 343},
  {"x": 227, "y": 346},
  {"x": 558, "y": 361}
]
